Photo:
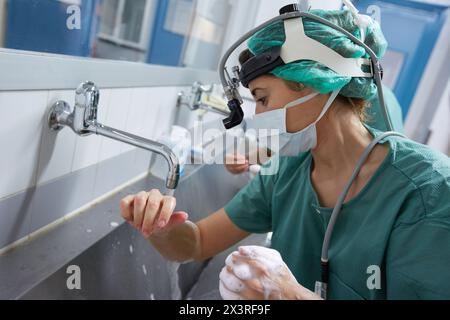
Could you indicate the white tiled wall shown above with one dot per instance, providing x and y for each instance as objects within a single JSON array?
[
  {"x": 137, "y": 113},
  {"x": 31, "y": 154},
  {"x": 22, "y": 117},
  {"x": 166, "y": 102},
  {"x": 116, "y": 117},
  {"x": 152, "y": 111}
]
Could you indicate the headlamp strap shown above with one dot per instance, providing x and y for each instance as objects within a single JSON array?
[{"x": 298, "y": 46}]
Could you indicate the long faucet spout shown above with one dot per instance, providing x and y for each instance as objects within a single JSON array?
[
  {"x": 143, "y": 143},
  {"x": 82, "y": 119}
]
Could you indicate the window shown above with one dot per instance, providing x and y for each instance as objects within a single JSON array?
[
  {"x": 126, "y": 22},
  {"x": 180, "y": 33}
]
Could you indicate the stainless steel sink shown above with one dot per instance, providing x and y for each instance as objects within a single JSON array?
[
  {"x": 123, "y": 265},
  {"x": 110, "y": 270}
]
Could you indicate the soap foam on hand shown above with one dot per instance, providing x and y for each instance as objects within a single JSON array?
[
  {"x": 227, "y": 294},
  {"x": 231, "y": 284},
  {"x": 242, "y": 271}
]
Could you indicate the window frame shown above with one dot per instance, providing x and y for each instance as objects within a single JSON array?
[
  {"x": 146, "y": 28},
  {"x": 28, "y": 70}
]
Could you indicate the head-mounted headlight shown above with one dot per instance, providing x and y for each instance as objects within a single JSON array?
[{"x": 297, "y": 47}]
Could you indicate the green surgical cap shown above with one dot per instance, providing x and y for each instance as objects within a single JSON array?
[{"x": 315, "y": 75}]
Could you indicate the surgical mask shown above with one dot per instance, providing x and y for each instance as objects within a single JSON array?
[{"x": 273, "y": 123}]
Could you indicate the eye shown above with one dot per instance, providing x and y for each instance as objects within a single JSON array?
[{"x": 263, "y": 101}]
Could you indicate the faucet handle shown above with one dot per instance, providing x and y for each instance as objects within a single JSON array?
[{"x": 87, "y": 97}]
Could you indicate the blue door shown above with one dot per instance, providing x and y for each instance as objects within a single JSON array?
[
  {"x": 41, "y": 25},
  {"x": 411, "y": 29},
  {"x": 166, "y": 46}
]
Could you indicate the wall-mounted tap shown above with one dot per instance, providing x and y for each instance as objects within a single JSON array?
[
  {"x": 83, "y": 121},
  {"x": 200, "y": 99}
]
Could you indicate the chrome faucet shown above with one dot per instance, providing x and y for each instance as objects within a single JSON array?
[
  {"x": 194, "y": 101},
  {"x": 83, "y": 121}
]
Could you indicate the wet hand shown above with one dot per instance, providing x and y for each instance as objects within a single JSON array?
[
  {"x": 151, "y": 212},
  {"x": 236, "y": 163}
]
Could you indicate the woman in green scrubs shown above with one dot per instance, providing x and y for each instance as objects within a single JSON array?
[
  {"x": 392, "y": 238},
  {"x": 237, "y": 163}
]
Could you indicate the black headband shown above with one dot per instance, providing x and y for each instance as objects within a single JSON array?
[{"x": 260, "y": 65}]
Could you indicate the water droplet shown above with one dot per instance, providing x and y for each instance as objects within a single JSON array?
[{"x": 144, "y": 269}]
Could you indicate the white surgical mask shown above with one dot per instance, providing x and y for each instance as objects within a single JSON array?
[{"x": 273, "y": 123}]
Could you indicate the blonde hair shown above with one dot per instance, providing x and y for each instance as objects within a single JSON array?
[{"x": 359, "y": 106}]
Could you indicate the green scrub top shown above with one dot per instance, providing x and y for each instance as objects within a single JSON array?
[{"x": 399, "y": 223}]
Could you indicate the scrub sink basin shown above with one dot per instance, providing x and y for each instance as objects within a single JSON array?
[{"x": 121, "y": 264}]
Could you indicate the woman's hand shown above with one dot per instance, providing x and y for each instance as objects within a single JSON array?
[
  {"x": 236, "y": 163},
  {"x": 151, "y": 213},
  {"x": 258, "y": 273}
]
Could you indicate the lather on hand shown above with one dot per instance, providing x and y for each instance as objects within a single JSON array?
[{"x": 259, "y": 273}]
